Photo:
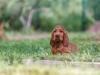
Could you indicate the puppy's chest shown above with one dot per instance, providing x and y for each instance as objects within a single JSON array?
[{"x": 60, "y": 48}]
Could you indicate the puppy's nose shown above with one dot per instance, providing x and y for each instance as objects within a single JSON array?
[{"x": 57, "y": 35}]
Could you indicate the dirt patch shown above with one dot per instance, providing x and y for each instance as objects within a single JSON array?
[
  {"x": 58, "y": 62},
  {"x": 29, "y": 36}
]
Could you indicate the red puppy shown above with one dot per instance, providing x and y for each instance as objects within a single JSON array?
[{"x": 59, "y": 41}]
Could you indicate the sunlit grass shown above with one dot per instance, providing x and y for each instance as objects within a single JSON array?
[{"x": 48, "y": 70}]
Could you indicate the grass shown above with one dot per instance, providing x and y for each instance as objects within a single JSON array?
[
  {"x": 14, "y": 50},
  {"x": 48, "y": 70}
]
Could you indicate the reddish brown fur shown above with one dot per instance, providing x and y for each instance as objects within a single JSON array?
[{"x": 59, "y": 41}]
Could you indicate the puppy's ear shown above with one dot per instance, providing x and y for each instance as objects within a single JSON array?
[
  {"x": 52, "y": 43},
  {"x": 65, "y": 39}
]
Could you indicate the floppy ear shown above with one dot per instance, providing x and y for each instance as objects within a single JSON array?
[
  {"x": 65, "y": 39},
  {"x": 52, "y": 43}
]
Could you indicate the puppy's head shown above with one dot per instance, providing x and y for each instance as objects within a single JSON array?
[{"x": 59, "y": 34}]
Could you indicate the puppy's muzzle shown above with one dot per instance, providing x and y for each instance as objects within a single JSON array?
[{"x": 57, "y": 36}]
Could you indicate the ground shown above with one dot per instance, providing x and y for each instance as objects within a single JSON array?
[{"x": 27, "y": 53}]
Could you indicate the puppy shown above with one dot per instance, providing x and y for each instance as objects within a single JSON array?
[{"x": 60, "y": 42}]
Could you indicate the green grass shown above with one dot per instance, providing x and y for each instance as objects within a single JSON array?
[
  {"x": 14, "y": 50},
  {"x": 11, "y": 52}
]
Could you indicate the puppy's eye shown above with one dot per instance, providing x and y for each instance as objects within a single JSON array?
[
  {"x": 61, "y": 31},
  {"x": 55, "y": 31}
]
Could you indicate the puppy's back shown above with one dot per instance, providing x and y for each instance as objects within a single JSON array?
[{"x": 73, "y": 47}]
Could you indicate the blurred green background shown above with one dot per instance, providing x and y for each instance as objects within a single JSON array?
[
  {"x": 33, "y": 21},
  {"x": 45, "y": 14}
]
